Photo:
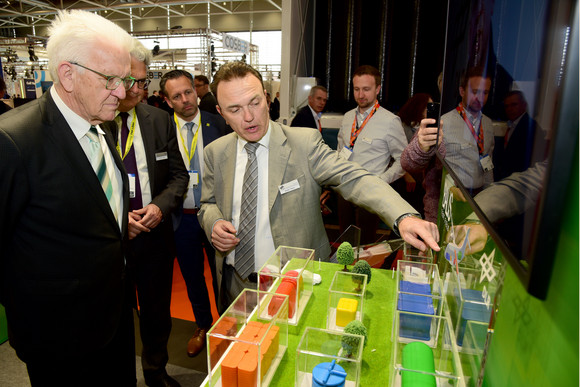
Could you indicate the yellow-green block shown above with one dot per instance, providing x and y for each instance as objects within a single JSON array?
[{"x": 345, "y": 311}]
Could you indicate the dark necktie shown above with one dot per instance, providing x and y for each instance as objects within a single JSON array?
[
  {"x": 130, "y": 162},
  {"x": 244, "y": 260}
]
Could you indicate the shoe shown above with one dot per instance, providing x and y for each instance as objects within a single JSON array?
[
  {"x": 164, "y": 381},
  {"x": 197, "y": 342}
]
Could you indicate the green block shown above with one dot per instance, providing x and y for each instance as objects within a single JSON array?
[{"x": 3, "y": 325}]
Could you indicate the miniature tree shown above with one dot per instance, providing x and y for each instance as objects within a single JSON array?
[
  {"x": 349, "y": 343},
  {"x": 345, "y": 254},
  {"x": 361, "y": 267}
]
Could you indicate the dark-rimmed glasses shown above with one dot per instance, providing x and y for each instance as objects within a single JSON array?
[
  {"x": 142, "y": 83},
  {"x": 113, "y": 81}
]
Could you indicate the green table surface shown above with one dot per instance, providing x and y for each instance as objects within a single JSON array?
[{"x": 378, "y": 318}]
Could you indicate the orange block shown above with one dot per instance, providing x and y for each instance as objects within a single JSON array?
[
  {"x": 287, "y": 288},
  {"x": 248, "y": 368},
  {"x": 230, "y": 365},
  {"x": 250, "y": 333}
]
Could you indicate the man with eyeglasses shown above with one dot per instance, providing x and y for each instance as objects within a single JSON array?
[
  {"x": 207, "y": 101},
  {"x": 195, "y": 129},
  {"x": 63, "y": 214},
  {"x": 158, "y": 180}
]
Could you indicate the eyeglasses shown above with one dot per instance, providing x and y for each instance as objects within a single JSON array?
[
  {"x": 142, "y": 83},
  {"x": 112, "y": 81}
]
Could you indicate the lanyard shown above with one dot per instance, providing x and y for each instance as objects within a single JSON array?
[
  {"x": 355, "y": 131},
  {"x": 478, "y": 139},
  {"x": 189, "y": 153},
  {"x": 130, "y": 137}
]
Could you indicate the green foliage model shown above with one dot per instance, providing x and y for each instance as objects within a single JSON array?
[
  {"x": 362, "y": 267},
  {"x": 345, "y": 254},
  {"x": 350, "y": 343}
]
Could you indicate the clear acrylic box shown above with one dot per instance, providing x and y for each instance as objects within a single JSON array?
[
  {"x": 412, "y": 253},
  {"x": 433, "y": 362},
  {"x": 320, "y": 348},
  {"x": 345, "y": 299},
  {"x": 418, "y": 292},
  {"x": 288, "y": 271},
  {"x": 242, "y": 348}
]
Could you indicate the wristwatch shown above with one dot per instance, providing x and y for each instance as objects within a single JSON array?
[{"x": 396, "y": 224}]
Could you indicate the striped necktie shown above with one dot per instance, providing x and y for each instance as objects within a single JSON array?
[
  {"x": 244, "y": 260},
  {"x": 100, "y": 167}
]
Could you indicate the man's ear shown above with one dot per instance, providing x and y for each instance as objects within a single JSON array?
[
  {"x": 66, "y": 76},
  {"x": 168, "y": 102},
  {"x": 461, "y": 91}
]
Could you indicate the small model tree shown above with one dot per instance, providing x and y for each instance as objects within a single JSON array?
[
  {"x": 361, "y": 267},
  {"x": 349, "y": 343},
  {"x": 345, "y": 254}
]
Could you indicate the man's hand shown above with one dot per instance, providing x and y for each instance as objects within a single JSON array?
[
  {"x": 324, "y": 196},
  {"x": 135, "y": 227},
  {"x": 151, "y": 215},
  {"x": 223, "y": 236},
  {"x": 412, "y": 228},
  {"x": 409, "y": 182},
  {"x": 457, "y": 194},
  {"x": 477, "y": 236}
]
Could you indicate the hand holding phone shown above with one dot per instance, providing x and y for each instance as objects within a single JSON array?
[{"x": 433, "y": 112}]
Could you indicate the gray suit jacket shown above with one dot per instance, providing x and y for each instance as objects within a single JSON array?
[{"x": 295, "y": 218}]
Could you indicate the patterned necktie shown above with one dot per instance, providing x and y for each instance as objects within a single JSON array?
[
  {"x": 244, "y": 261},
  {"x": 194, "y": 164},
  {"x": 130, "y": 162},
  {"x": 100, "y": 167}
]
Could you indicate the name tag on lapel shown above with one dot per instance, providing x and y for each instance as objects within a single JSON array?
[
  {"x": 289, "y": 187},
  {"x": 160, "y": 156},
  {"x": 367, "y": 140}
]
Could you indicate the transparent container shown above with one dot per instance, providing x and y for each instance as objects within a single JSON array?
[
  {"x": 412, "y": 253},
  {"x": 289, "y": 271},
  {"x": 433, "y": 362},
  {"x": 320, "y": 348},
  {"x": 242, "y": 348},
  {"x": 345, "y": 299}
]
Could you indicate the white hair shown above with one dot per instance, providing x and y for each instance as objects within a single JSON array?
[
  {"x": 141, "y": 53},
  {"x": 73, "y": 35}
]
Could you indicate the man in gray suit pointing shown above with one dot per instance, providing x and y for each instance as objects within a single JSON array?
[{"x": 262, "y": 186}]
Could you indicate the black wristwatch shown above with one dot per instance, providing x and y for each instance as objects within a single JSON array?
[{"x": 396, "y": 224}]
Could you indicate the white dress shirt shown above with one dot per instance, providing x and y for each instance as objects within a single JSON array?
[
  {"x": 264, "y": 243},
  {"x": 80, "y": 127},
  {"x": 181, "y": 133}
]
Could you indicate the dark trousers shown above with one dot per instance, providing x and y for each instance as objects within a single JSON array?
[
  {"x": 368, "y": 222},
  {"x": 113, "y": 365},
  {"x": 190, "y": 241},
  {"x": 152, "y": 272}
]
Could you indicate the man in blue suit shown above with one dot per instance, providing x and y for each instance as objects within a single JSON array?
[
  {"x": 309, "y": 115},
  {"x": 195, "y": 129}
]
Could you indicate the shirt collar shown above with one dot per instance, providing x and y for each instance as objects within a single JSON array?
[
  {"x": 181, "y": 122},
  {"x": 264, "y": 141},
  {"x": 78, "y": 125}
]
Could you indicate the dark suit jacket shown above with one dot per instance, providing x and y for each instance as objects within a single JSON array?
[
  {"x": 62, "y": 252},
  {"x": 304, "y": 119},
  {"x": 517, "y": 156},
  {"x": 213, "y": 127},
  {"x": 208, "y": 103},
  {"x": 168, "y": 178}
]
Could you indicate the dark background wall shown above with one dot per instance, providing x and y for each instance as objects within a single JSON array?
[{"x": 405, "y": 40}]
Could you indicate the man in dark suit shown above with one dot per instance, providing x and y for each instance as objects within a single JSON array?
[
  {"x": 158, "y": 179},
  {"x": 178, "y": 88},
  {"x": 309, "y": 115},
  {"x": 63, "y": 214},
  {"x": 207, "y": 100},
  {"x": 514, "y": 152}
]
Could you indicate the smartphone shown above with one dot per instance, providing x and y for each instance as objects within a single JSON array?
[{"x": 433, "y": 112}]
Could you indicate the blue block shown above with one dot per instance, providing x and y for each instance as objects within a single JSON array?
[
  {"x": 474, "y": 312},
  {"x": 412, "y": 326}
]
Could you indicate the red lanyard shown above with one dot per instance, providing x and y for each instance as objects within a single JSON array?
[
  {"x": 356, "y": 130},
  {"x": 478, "y": 139}
]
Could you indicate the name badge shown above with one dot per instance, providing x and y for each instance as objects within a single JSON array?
[
  {"x": 345, "y": 153},
  {"x": 289, "y": 187},
  {"x": 160, "y": 156},
  {"x": 367, "y": 140},
  {"x": 193, "y": 179},
  {"x": 486, "y": 163},
  {"x": 131, "y": 185}
]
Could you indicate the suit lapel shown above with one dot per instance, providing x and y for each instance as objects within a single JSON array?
[
  {"x": 278, "y": 154},
  {"x": 59, "y": 132},
  {"x": 227, "y": 169}
]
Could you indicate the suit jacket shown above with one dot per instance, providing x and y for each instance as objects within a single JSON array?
[
  {"x": 462, "y": 152},
  {"x": 304, "y": 118},
  {"x": 168, "y": 177},
  {"x": 295, "y": 219},
  {"x": 213, "y": 127},
  {"x": 62, "y": 257},
  {"x": 517, "y": 156}
]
